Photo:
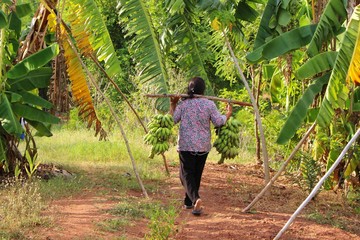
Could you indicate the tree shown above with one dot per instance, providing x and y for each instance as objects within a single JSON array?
[{"x": 20, "y": 76}]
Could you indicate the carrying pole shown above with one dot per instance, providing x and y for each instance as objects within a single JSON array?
[{"x": 200, "y": 96}]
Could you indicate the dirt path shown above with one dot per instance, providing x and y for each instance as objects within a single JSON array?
[
  {"x": 226, "y": 189},
  {"x": 226, "y": 193}
]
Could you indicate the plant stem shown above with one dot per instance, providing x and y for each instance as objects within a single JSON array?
[{"x": 256, "y": 109}]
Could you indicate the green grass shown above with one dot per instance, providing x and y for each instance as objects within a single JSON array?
[
  {"x": 330, "y": 218},
  {"x": 129, "y": 210}
]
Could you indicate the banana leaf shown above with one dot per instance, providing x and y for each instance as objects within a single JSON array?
[
  {"x": 282, "y": 44},
  {"x": 33, "y": 62},
  {"x": 42, "y": 129},
  {"x": 8, "y": 119},
  {"x": 38, "y": 78},
  {"x": 89, "y": 23},
  {"x": 265, "y": 31},
  {"x": 190, "y": 50},
  {"x": 22, "y": 10},
  {"x": 276, "y": 86},
  {"x": 15, "y": 23},
  {"x": 337, "y": 90},
  {"x": 13, "y": 97},
  {"x": 318, "y": 64},
  {"x": 353, "y": 164},
  {"x": 35, "y": 114},
  {"x": 328, "y": 26},
  {"x": 146, "y": 48},
  {"x": 298, "y": 114},
  {"x": 245, "y": 12},
  {"x": 268, "y": 70},
  {"x": 35, "y": 100},
  {"x": 3, "y": 19}
]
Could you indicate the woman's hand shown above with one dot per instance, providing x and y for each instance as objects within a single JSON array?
[
  {"x": 173, "y": 102},
  {"x": 229, "y": 109}
]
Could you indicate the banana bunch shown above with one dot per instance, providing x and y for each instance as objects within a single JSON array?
[
  {"x": 228, "y": 140},
  {"x": 160, "y": 131}
]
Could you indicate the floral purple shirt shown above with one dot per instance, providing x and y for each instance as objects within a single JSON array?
[{"x": 195, "y": 115}]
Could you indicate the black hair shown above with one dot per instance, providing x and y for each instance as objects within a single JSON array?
[{"x": 196, "y": 86}]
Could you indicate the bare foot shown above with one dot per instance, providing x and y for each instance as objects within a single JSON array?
[{"x": 197, "y": 207}]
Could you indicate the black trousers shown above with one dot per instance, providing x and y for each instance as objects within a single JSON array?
[{"x": 191, "y": 169}]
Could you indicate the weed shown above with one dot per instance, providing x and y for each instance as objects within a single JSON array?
[
  {"x": 114, "y": 225},
  {"x": 327, "y": 218},
  {"x": 130, "y": 209},
  {"x": 21, "y": 205},
  {"x": 162, "y": 221}
]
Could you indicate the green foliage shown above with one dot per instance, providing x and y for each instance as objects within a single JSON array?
[
  {"x": 162, "y": 222},
  {"x": 337, "y": 90},
  {"x": 187, "y": 40},
  {"x": 316, "y": 65},
  {"x": 282, "y": 44},
  {"x": 33, "y": 62},
  {"x": 329, "y": 25},
  {"x": 140, "y": 28},
  {"x": 265, "y": 32},
  {"x": 310, "y": 170},
  {"x": 300, "y": 110},
  {"x": 87, "y": 19}
]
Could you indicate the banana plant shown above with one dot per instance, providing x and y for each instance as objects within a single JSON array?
[
  {"x": 19, "y": 82},
  {"x": 332, "y": 74}
]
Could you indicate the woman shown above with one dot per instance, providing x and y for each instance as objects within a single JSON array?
[{"x": 195, "y": 115}]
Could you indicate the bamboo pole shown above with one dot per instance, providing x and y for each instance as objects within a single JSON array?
[
  {"x": 318, "y": 185},
  {"x": 281, "y": 169},
  {"x": 91, "y": 77},
  {"x": 256, "y": 110},
  {"x": 200, "y": 96}
]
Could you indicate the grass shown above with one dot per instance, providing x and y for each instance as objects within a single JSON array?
[
  {"x": 330, "y": 218},
  {"x": 101, "y": 165},
  {"x": 20, "y": 208}
]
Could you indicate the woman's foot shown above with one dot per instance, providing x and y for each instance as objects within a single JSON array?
[
  {"x": 197, "y": 207},
  {"x": 188, "y": 206}
]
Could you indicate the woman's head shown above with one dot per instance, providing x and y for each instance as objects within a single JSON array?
[{"x": 196, "y": 86}]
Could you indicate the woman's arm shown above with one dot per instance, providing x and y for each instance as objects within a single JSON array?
[
  {"x": 229, "y": 109},
  {"x": 173, "y": 103}
]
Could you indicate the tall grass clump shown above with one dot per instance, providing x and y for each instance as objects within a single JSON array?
[{"x": 21, "y": 206}]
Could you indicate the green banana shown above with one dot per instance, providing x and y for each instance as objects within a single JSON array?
[
  {"x": 160, "y": 133},
  {"x": 228, "y": 140}
]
